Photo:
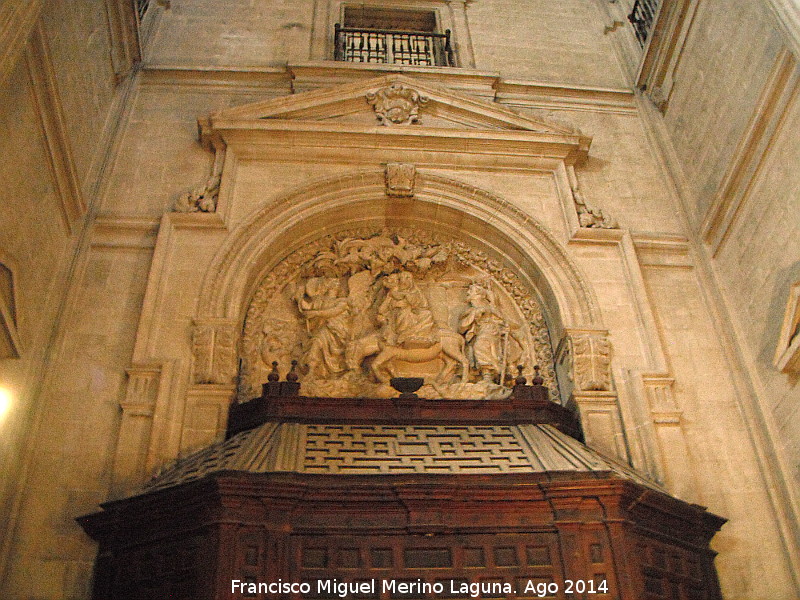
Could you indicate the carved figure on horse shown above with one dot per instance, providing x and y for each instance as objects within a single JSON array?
[{"x": 409, "y": 334}]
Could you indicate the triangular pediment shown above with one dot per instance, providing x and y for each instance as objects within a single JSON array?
[
  {"x": 394, "y": 112},
  {"x": 350, "y": 104}
]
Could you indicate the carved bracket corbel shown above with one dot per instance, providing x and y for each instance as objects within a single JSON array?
[
  {"x": 214, "y": 352},
  {"x": 587, "y": 354}
]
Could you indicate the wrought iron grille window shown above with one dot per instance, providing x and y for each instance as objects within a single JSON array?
[
  {"x": 641, "y": 17},
  {"x": 402, "y": 37},
  {"x": 392, "y": 46}
]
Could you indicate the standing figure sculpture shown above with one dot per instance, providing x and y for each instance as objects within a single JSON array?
[
  {"x": 486, "y": 332},
  {"x": 327, "y": 317}
]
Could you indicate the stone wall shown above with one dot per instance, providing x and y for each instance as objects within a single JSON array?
[
  {"x": 108, "y": 314},
  {"x": 731, "y": 121},
  {"x": 55, "y": 133}
]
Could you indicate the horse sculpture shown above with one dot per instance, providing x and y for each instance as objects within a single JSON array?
[{"x": 449, "y": 348}]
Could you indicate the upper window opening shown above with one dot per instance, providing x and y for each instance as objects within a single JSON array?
[
  {"x": 141, "y": 8},
  {"x": 642, "y": 17},
  {"x": 401, "y": 37},
  {"x": 9, "y": 340}
]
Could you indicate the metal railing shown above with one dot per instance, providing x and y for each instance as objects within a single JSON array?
[
  {"x": 641, "y": 17},
  {"x": 418, "y": 48}
]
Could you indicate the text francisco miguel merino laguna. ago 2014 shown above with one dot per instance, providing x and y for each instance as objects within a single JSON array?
[{"x": 341, "y": 589}]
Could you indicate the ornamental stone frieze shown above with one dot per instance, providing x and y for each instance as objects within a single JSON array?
[
  {"x": 363, "y": 306},
  {"x": 396, "y": 104}
]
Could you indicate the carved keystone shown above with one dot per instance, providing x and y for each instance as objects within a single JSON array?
[{"x": 400, "y": 179}]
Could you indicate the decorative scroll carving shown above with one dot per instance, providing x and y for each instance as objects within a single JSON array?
[
  {"x": 213, "y": 353},
  {"x": 588, "y": 216},
  {"x": 589, "y": 355},
  {"x": 361, "y": 307},
  {"x": 396, "y": 104},
  {"x": 200, "y": 199},
  {"x": 400, "y": 179}
]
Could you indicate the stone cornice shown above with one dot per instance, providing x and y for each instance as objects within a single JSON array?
[
  {"x": 325, "y": 74},
  {"x": 504, "y": 149},
  {"x": 312, "y": 75},
  {"x": 534, "y": 94}
]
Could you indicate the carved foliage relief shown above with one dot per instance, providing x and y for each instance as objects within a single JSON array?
[
  {"x": 363, "y": 306},
  {"x": 590, "y": 354}
]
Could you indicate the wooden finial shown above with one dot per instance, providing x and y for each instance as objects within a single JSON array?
[
  {"x": 273, "y": 375},
  {"x": 292, "y": 374},
  {"x": 520, "y": 380},
  {"x": 537, "y": 378}
]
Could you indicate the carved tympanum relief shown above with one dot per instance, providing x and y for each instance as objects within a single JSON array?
[
  {"x": 363, "y": 306},
  {"x": 396, "y": 104}
]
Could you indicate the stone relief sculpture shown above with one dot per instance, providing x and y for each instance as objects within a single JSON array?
[
  {"x": 361, "y": 307},
  {"x": 588, "y": 216},
  {"x": 396, "y": 104},
  {"x": 487, "y": 332}
]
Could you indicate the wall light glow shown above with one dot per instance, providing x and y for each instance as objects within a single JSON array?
[{"x": 6, "y": 397}]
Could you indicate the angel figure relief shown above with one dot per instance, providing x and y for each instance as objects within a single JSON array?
[{"x": 328, "y": 323}]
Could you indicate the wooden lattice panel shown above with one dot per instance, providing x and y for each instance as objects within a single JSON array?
[{"x": 413, "y": 449}]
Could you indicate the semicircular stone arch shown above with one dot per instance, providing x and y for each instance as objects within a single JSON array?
[
  {"x": 454, "y": 208},
  {"x": 509, "y": 241}
]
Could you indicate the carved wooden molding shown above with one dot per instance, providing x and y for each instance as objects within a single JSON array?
[
  {"x": 787, "y": 354},
  {"x": 60, "y": 156}
]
